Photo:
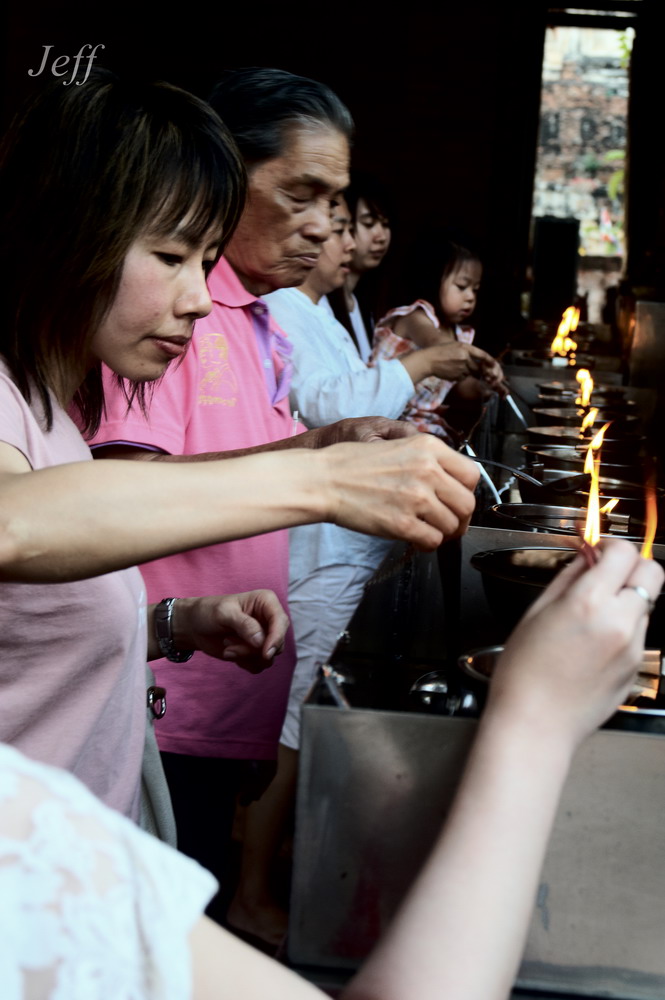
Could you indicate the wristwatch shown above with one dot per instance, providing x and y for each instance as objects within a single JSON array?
[{"x": 163, "y": 614}]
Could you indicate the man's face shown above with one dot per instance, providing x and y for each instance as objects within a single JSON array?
[{"x": 288, "y": 213}]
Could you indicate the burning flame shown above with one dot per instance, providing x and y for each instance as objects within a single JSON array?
[
  {"x": 651, "y": 519},
  {"x": 589, "y": 420},
  {"x": 562, "y": 343},
  {"x": 592, "y": 467},
  {"x": 609, "y": 506},
  {"x": 586, "y": 387}
]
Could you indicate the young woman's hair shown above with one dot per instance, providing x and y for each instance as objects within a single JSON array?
[
  {"x": 435, "y": 255},
  {"x": 379, "y": 202},
  {"x": 84, "y": 171},
  {"x": 261, "y": 105},
  {"x": 374, "y": 194}
]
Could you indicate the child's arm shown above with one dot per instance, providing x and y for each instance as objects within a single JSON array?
[{"x": 418, "y": 327}]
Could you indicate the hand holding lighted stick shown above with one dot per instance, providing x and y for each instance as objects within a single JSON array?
[{"x": 584, "y": 637}]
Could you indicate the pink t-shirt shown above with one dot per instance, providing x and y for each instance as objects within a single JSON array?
[
  {"x": 230, "y": 391},
  {"x": 72, "y": 670}
]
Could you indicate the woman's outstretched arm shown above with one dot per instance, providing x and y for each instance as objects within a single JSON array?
[
  {"x": 564, "y": 671},
  {"x": 78, "y": 520}
]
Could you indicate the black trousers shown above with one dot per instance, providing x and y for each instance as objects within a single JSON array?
[{"x": 204, "y": 792}]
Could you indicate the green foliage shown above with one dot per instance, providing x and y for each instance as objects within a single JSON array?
[
  {"x": 625, "y": 47},
  {"x": 615, "y": 184}
]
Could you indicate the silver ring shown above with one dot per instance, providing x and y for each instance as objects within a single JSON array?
[{"x": 644, "y": 593}]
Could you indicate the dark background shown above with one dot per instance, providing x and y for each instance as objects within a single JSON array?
[{"x": 445, "y": 103}]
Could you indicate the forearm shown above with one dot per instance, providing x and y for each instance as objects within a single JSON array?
[
  {"x": 307, "y": 439},
  {"x": 418, "y": 365},
  {"x": 324, "y": 397},
  {"x": 73, "y": 521},
  {"x": 477, "y": 891}
]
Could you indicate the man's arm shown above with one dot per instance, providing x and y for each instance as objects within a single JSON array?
[
  {"x": 248, "y": 629},
  {"x": 361, "y": 429}
]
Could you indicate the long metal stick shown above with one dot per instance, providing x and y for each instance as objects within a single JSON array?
[
  {"x": 483, "y": 472},
  {"x": 516, "y": 410}
]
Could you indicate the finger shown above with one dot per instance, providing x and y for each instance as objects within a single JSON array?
[
  {"x": 250, "y": 661},
  {"x": 559, "y": 586},
  {"x": 399, "y": 429},
  {"x": 618, "y": 559},
  {"x": 274, "y": 619},
  {"x": 245, "y": 626},
  {"x": 644, "y": 586},
  {"x": 422, "y": 535},
  {"x": 455, "y": 465}
]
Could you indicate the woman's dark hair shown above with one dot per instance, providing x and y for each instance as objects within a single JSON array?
[
  {"x": 373, "y": 193},
  {"x": 260, "y": 106},
  {"x": 435, "y": 255},
  {"x": 379, "y": 202},
  {"x": 84, "y": 171}
]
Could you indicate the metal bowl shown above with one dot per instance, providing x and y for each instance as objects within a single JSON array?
[
  {"x": 570, "y": 458},
  {"x": 571, "y": 390},
  {"x": 514, "y": 577},
  {"x": 572, "y": 416},
  {"x": 436, "y": 693},
  {"x": 479, "y": 665},
  {"x": 561, "y": 520},
  {"x": 627, "y": 444}
]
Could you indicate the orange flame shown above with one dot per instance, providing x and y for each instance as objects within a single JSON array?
[
  {"x": 589, "y": 420},
  {"x": 651, "y": 519},
  {"x": 598, "y": 439},
  {"x": 592, "y": 466},
  {"x": 586, "y": 387},
  {"x": 609, "y": 506},
  {"x": 562, "y": 343}
]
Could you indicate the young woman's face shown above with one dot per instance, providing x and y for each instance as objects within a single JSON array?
[
  {"x": 162, "y": 291},
  {"x": 335, "y": 259},
  {"x": 459, "y": 291},
  {"x": 372, "y": 236}
]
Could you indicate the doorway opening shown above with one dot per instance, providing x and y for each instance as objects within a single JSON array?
[{"x": 578, "y": 201}]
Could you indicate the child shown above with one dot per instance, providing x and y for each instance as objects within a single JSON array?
[{"x": 450, "y": 278}]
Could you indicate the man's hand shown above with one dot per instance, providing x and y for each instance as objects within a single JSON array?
[
  {"x": 417, "y": 489},
  {"x": 364, "y": 429},
  {"x": 247, "y": 629}
]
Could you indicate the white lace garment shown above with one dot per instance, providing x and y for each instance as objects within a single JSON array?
[{"x": 91, "y": 908}]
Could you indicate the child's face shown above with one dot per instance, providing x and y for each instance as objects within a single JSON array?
[{"x": 459, "y": 290}]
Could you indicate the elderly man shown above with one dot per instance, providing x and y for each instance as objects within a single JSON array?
[{"x": 220, "y": 733}]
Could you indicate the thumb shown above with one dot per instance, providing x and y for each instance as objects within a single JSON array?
[{"x": 245, "y": 626}]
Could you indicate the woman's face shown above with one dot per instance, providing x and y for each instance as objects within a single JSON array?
[
  {"x": 162, "y": 291},
  {"x": 334, "y": 261},
  {"x": 459, "y": 291},
  {"x": 372, "y": 236}
]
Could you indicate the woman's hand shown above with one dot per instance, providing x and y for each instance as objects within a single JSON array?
[
  {"x": 248, "y": 629},
  {"x": 417, "y": 489},
  {"x": 572, "y": 658},
  {"x": 492, "y": 375},
  {"x": 453, "y": 361}
]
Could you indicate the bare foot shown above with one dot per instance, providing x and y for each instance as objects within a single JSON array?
[{"x": 266, "y": 920}]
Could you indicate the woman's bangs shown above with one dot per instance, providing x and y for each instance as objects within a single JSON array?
[{"x": 197, "y": 196}]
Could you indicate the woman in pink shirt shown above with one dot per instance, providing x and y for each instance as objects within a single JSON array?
[{"x": 115, "y": 203}]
